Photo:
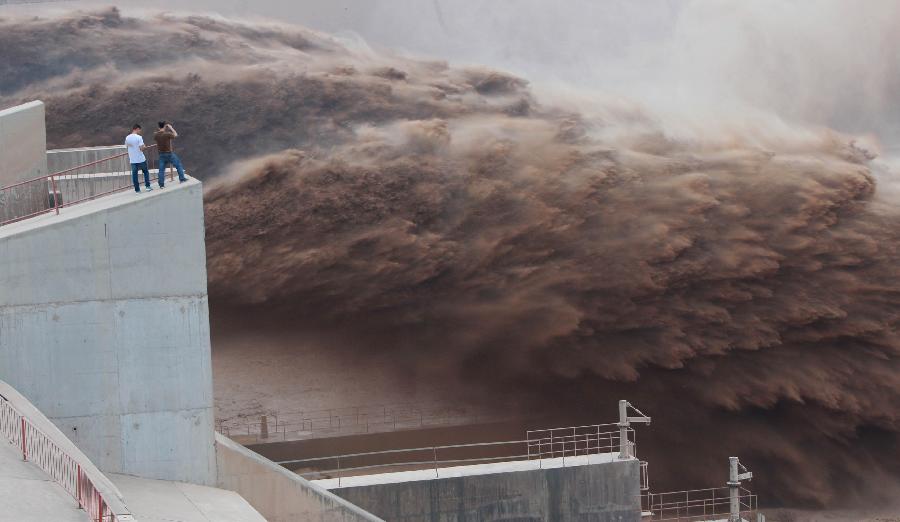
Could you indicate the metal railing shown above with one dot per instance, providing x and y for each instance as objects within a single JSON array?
[
  {"x": 560, "y": 443},
  {"x": 71, "y": 186},
  {"x": 552, "y": 442},
  {"x": 256, "y": 424},
  {"x": 697, "y": 505},
  {"x": 38, "y": 448}
]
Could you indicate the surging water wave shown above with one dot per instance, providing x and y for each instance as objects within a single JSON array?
[{"x": 743, "y": 287}]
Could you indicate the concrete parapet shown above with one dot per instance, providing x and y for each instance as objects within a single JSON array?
[
  {"x": 279, "y": 494},
  {"x": 599, "y": 492},
  {"x": 59, "y": 160}
]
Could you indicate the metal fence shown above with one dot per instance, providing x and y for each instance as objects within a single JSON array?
[
  {"x": 71, "y": 186},
  {"x": 559, "y": 443},
  {"x": 552, "y": 442},
  {"x": 39, "y": 449},
  {"x": 254, "y": 424},
  {"x": 698, "y": 505}
]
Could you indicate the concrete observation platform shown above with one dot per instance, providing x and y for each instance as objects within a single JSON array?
[{"x": 104, "y": 326}]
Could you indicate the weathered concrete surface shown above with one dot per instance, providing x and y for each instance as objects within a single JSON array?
[
  {"x": 104, "y": 326},
  {"x": 280, "y": 495},
  {"x": 23, "y": 146},
  {"x": 604, "y": 492},
  {"x": 23, "y": 143},
  {"x": 165, "y": 501},
  {"x": 59, "y": 160},
  {"x": 29, "y": 494}
]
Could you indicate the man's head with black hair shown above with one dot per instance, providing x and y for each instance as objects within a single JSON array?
[
  {"x": 136, "y": 128},
  {"x": 162, "y": 124}
]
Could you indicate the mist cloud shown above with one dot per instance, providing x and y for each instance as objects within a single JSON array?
[{"x": 739, "y": 280}]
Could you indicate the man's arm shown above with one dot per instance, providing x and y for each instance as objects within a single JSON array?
[{"x": 171, "y": 129}]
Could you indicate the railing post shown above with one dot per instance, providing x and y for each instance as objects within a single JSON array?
[
  {"x": 24, "y": 443},
  {"x": 55, "y": 194},
  {"x": 434, "y": 456}
]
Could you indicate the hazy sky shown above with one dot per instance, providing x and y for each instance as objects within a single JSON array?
[{"x": 828, "y": 62}]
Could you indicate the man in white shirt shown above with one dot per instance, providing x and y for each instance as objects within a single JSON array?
[{"x": 135, "y": 144}]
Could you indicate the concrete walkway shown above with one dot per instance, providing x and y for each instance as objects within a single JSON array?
[
  {"x": 164, "y": 501},
  {"x": 27, "y": 494}
]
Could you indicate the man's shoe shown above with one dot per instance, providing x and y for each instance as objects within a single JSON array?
[
  {"x": 148, "y": 188},
  {"x": 181, "y": 180},
  {"x": 162, "y": 186}
]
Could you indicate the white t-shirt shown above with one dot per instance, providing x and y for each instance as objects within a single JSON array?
[{"x": 134, "y": 143}]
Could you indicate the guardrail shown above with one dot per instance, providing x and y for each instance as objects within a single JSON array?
[
  {"x": 38, "y": 448},
  {"x": 561, "y": 443},
  {"x": 553, "y": 442},
  {"x": 698, "y": 505},
  {"x": 256, "y": 424},
  {"x": 68, "y": 187}
]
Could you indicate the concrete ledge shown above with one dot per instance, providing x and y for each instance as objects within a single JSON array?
[
  {"x": 279, "y": 494},
  {"x": 595, "y": 488}
]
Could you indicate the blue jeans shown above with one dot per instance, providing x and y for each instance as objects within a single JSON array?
[
  {"x": 166, "y": 159},
  {"x": 134, "y": 177}
]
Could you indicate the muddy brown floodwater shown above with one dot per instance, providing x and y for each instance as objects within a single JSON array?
[{"x": 380, "y": 227}]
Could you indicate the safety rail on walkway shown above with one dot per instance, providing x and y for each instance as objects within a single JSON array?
[
  {"x": 698, "y": 505},
  {"x": 257, "y": 425},
  {"x": 71, "y": 186},
  {"x": 561, "y": 443},
  {"x": 555, "y": 442},
  {"x": 38, "y": 448}
]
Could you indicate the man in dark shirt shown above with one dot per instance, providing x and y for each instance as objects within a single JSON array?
[{"x": 164, "y": 138}]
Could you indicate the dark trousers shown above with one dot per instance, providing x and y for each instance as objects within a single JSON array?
[{"x": 134, "y": 177}]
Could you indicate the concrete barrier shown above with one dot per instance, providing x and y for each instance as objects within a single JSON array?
[
  {"x": 602, "y": 492},
  {"x": 278, "y": 494},
  {"x": 59, "y": 160},
  {"x": 104, "y": 326}
]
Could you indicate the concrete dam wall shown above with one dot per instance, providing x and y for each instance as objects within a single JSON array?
[{"x": 605, "y": 492}]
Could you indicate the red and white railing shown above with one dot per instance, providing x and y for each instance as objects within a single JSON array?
[
  {"x": 39, "y": 449},
  {"x": 49, "y": 194}
]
